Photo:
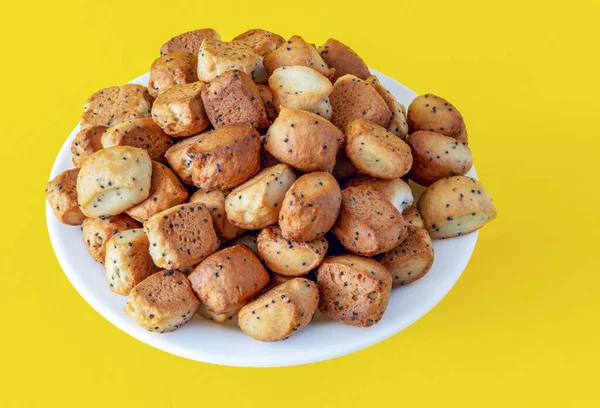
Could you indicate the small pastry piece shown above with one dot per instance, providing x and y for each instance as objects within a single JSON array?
[
  {"x": 310, "y": 207},
  {"x": 97, "y": 232},
  {"x": 166, "y": 191},
  {"x": 217, "y": 57},
  {"x": 61, "y": 194},
  {"x": 345, "y": 61},
  {"x": 352, "y": 99},
  {"x": 289, "y": 258},
  {"x": 410, "y": 260},
  {"x": 435, "y": 114},
  {"x": 256, "y": 203},
  {"x": 260, "y": 41},
  {"x": 189, "y": 41},
  {"x": 302, "y": 88},
  {"x": 172, "y": 69},
  {"x": 455, "y": 206},
  {"x": 413, "y": 218},
  {"x": 127, "y": 260},
  {"x": 113, "y": 180},
  {"x": 375, "y": 151},
  {"x": 267, "y": 97},
  {"x": 85, "y": 143},
  {"x": 212, "y": 316},
  {"x": 179, "y": 111},
  {"x": 249, "y": 239},
  {"x": 353, "y": 290},
  {"x": 233, "y": 97},
  {"x": 281, "y": 312},
  {"x": 214, "y": 200},
  {"x": 396, "y": 191},
  {"x": 116, "y": 104},
  {"x": 297, "y": 52},
  {"x": 436, "y": 156},
  {"x": 343, "y": 166},
  {"x": 368, "y": 223},
  {"x": 220, "y": 284},
  {"x": 163, "y": 302},
  {"x": 397, "y": 125},
  {"x": 181, "y": 236},
  {"x": 142, "y": 133},
  {"x": 221, "y": 159},
  {"x": 304, "y": 140}
]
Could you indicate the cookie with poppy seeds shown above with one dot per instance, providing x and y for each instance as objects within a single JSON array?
[
  {"x": 267, "y": 97},
  {"x": 214, "y": 200},
  {"x": 97, "y": 231},
  {"x": 310, "y": 207},
  {"x": 413, "y": 218},
  {"x": 410, "y": 260},
  {"x": 396, "y": 191},
  {"x": 352, "y": 99},
  {"x": 181, "y": 236},
  {"x": 280, "y": 312},
  {"x": 397, "y": 125},
  {"x": 113, "y": 180},
  {"x": 142, "y": 133},
  {"x": 221, "y": 159},
  {"x": 304, "y": 140},
  {"x": 345, "y": 61},
  {"x": 455, "y": 206},
  {"x": 375, "y": 151},
  {"x": 86, "y": 142},
  {"x": 189, "y": 41},
  {"x": 297, "y": 52},
  {"x": 436, "y": 114},
  {"x": 436, "y": 156},
  {"x": 179, "y": 111},
  {"x": 302, "y": 88},
  {"x": 217, "y": 57},
  {"x": 228, "y": 279},
  {"x": 260, "y": 41},
  {"x": 249, "y": 239},
  {"x": 256, "y": 203},
  {"x": 353, "y": 289},
  {"x": 368, "y": 223},
  {"x": 166, "y": 191},
  {"x": 127, "y": 260},
  {"x": 116, "y": 104},
  {"x": 61, "y": 193},
  {"x": 204, "y": 313},
  {"x": 163, "y": 302},
  {"x": 172, "y": 69},
  {"x": 287, "y": 257},
  {"x": 233, "y": 97}
]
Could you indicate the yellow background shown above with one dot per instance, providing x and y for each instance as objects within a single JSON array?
[{"x": 521, "y": 326}]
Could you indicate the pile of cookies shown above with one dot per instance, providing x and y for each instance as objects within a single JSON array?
[{"x": 266, "y": 179}]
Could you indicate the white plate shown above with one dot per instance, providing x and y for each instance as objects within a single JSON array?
[{"x": 224, "y": 343}]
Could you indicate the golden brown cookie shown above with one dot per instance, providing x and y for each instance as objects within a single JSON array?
[
  {"x": 116, "y": 104},
  {"x": 179, "y": 111},
  {"x": 61, "y": 194}
]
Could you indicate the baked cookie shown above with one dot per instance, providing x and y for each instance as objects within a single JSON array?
[
  {"x": 86, "y": 142},
  {"x": 116, "y": 104},
  {"x": 97, "y": 231},
  {"x": 396, "y": 191},
  {"x": 61, "y": 194},
  {"x": 281, "y": 312},
  {"x": 233, "y": 97},
  {"x": 217, "y": 57},
  {"x": 163, "y": 302},
  {"x": 297, "y": 52},
  {"x": 343, "y": 60},
  {"x": 220, "y": 160},
  {"x": 113, "y": 180},
  {"x": 142, "y": 133},
  {"x": 127, "y": 260},
  {"x": 435, "y": 114},
  {"x": 166, "y": 191},
  {"x": 172, "y": 69},
  {"x": 304, "y": 140},
  {"x": 219, "y": 284},
  {"x": 353, "y": 290},
  {"x": 261, "y": 42},
  {"x": 310, "y": 207},
  {"x": 214, "y": 200},
  {"x": 397, "y": 125},
  {"x": 189, "y": 41},
  {"x": 181, "y": 236},
  {"x": 179, "y": 111},
  {"x": 413, "y": 218}
]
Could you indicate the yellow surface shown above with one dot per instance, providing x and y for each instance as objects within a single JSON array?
[{"x": 520, "y": 328}]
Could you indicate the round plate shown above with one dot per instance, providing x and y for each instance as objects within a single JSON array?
[{"x": 225, "y": 344}]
